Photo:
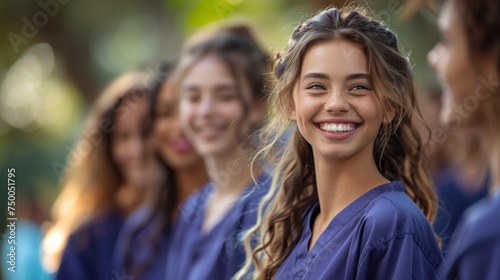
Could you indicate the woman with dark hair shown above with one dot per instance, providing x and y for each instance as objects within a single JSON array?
[
  {"x": 467, "y": 62},
  {"x": 222, "y": 87},
  {"x": 349, "y": 198}
]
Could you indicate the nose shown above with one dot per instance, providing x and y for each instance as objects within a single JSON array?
[
  {"x": 137, "y": 148},
  {"x": 432, "y": 57},
  {"x": 337, "y": 102},
  {"x": 206, "y": 106}
]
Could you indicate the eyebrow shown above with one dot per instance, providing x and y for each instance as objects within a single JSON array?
[
  {"x": 219, "y": 87},
  {"x": 323, "y": 76},
  {"x": 223, "y": 87},
  {"x": 190, "y": 88},
  {"x": 165, "y": 104},
  {"x": 358, "y": 76},
  {"x": 315, "y": 75}
]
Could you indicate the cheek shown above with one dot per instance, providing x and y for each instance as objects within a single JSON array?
[
  {"x": 118, "y": 152},
  {"x": 186, "y": 114},
  {"x": 160, "y": 129},
  {"x": 306, "y": 109},
  {"x": 233, "y": 111}
]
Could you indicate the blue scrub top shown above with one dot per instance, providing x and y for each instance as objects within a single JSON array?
[
  {"x": 138, "y": 242},
  {"x": 88, "y": 253},
  {"x": 381, "y": 235},
  {"x": 219, "y": 253},
  {"x": 454, "y": 199},
  {"x": 97, "y": 250},
  {"x": 475, "y": 246}
]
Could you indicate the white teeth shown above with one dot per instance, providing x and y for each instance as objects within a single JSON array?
[
  {"x": 337, "y": 127},
  {"x": 209, "y": 130}
]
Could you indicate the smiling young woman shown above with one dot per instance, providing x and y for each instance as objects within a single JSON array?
[
  {"x": 350, "y": 198},
  {"x": 221, "y": 82}
]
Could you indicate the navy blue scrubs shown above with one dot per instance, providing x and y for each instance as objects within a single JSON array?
[
  {"x": 475, "y": 247},
  {"x": 97, "y": 250},
  {"x": 381, "y": 235},
  {"x": 454, "y": 199},
  {"x": 218, "y": 253},
  {"x": 88, "y": 253}
]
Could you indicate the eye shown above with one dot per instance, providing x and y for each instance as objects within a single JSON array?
[
  {"x": 359, "y": 87},
  {"x": 164, "y": 113},
  {"x": 225, "y": 96},
  {"x": 191, "y": 97},
  {"x": 121, "y": 135},
  {"x": 316, "y": 87}
]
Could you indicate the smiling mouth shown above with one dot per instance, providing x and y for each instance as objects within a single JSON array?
[{"x": 338, "y": 128}]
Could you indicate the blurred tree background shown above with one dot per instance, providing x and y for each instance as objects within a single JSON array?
[{"x": 57, "y": 55}]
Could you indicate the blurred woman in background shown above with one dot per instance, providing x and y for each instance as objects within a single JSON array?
[
  {"x": 222, "y": 91},
  {"x": 467, "y": 62}
]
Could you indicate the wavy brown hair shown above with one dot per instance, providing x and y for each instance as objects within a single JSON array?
[{"x": 398, "y": 146}]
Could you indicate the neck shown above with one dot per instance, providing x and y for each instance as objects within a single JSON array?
[
  {"x": 129, "y": 198},
  {"x": 230, "y": 173},
  {"x": 189, "y": 180},
  {"x": 340, "y": 182}
]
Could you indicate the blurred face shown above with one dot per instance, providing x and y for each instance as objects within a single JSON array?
[
  {"x": 335, "y": 108},
  {"x": 131, "y": 151},
  {"x": 172, "y": 144},
  {"x": 465, "y": 86},
  {"x": 212, "y": 114}
]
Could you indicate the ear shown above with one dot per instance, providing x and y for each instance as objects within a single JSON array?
[
  {"x": 292, "y": 115},
  {"x": 389, "y": 116}
]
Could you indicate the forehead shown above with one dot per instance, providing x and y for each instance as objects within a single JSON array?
[
  {"x": 131, "y": 111},
  {"x": 208, "y": 70},
  {"x": 335, "y": 57}
]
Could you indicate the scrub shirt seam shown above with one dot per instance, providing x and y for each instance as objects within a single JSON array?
[{"x": 401, "y": 233}]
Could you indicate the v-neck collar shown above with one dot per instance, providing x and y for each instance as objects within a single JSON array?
[
  {"x": 245, "y": 194},
  {"x": 340, "y": 220}
]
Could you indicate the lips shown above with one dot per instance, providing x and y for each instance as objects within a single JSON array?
[
  {"x": 338, "y": 130},
  {"x": 209, "y": 133},
  {"x": 181, "y": 145}
]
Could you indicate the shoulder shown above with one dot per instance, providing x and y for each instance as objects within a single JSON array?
[
  {"x": 393, "y": 217},
  {"x": 393, "y": 211},
  {"x": 253, "y": 195},
  {"x": 481, "y": 216},
  {"x": 102, "y": 228},
  {"x": 195, "y": 203},
  {"x": 478, "y": 227}
]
